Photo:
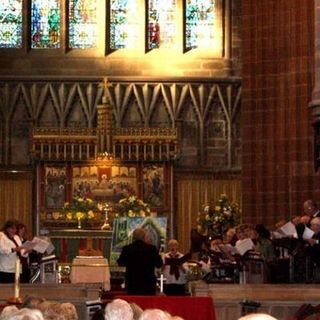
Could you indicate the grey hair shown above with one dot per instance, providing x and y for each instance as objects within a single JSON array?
[
  {"x": 118, "y": 309},
  {"x": 154, "y": 314}
]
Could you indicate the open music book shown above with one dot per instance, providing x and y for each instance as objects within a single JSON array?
[{"x": 39, "y": 245}]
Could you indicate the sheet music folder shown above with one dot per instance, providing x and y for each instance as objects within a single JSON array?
[{"x": 177, "y": 261}]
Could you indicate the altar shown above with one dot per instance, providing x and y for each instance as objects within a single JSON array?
[{"x": 68, "y": 242}]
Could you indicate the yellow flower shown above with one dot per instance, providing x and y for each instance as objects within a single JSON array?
[
  {"x": 79, "y": 215},
  {"x": 66, "y": 204},
  {"x": 90, "y": 214},
  {"x": 69, "y": 216},
  {"x": 217, "y": 208},
  {"x": 80, "y": 199},
  {"x": 142, "y": 213},
  {"x": 89, "y": 200}
]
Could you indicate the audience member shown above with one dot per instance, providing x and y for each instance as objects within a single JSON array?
[
  {"x": 27, "y": 314},
  {"x": 140, "y": 260},
  {"x": 7, "y": 312},
  {"x": 137, "y": 311},
  {"x": 32, "y": 302},
  {"x": 257, "y": 316},
  {"x": 174, "y": 272},
  {"x": 69, "y": 311},
  {"x": 154, "y": 314},
  {"x": 118, "y": 309}
]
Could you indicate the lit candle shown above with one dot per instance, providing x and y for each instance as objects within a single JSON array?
[
  {"x": 17, "y": 280},
  {"x": 161, "y": 283}
]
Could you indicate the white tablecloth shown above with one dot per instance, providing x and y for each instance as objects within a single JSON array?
[{"x": 86, "y": 269}]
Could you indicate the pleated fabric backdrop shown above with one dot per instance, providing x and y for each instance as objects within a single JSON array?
[
  {"x": 192, "y": 194},
  {"x": 16, "y": 198}
]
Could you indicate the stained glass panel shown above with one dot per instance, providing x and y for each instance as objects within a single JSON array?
[
  {"x": 161, "y": 23},
  {"x": 45, "y": 24},
  {"x": 82, "y": 23},
  {"x": 11, "y": 24},
  {"x": 200, "y": 23},
  {"x": 124, "y": 24}
]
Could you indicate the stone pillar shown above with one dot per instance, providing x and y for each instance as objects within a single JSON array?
[{"x": 315, "y": 103}]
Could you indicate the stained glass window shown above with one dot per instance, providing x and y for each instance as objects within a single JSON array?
[
  {"x": 82, "y": 23},
  {"x": 124, "y": 24},
  {"x": 45, "y": 24},
  {"x": 161, "y": 23},
  {"x": 200, "y": 23},
  {"x": 11, "y": 24}
]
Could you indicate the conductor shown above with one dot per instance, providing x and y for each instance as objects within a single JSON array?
[{"x": 140, "y": 260}]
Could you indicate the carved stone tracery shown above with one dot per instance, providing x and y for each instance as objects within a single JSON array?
[{"x": 210, "y": 107}]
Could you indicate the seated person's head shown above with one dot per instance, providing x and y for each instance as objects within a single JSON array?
[
  {"x": 250, "y": 232},
  {"x": 69, "y": 311},
  {"x": 30, "y": 314},
  {"x": 262, "y": 231},
  {"x": 118, "y": 309},
  {"x": 315, "y": 225},
  {"x": 257, "y": 316},
  {"x": 240, "y": 232},
  {"x": 310, "y": 207},
  {"x": 214, "y": 243},
  {"x": 305, "y": 219},
  {"x": 139, "y": 234},
  {"x": 154, "y": 314},
  {"x": 173, "y": 246},
  {"x": 229, "y": 235},
  {"x": 32, "y": 302},
  {"x": 296, "y": 220},
  {"x": 8, "y": 312}
]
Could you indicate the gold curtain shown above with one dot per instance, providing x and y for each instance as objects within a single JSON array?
[
  {"x": 16, "y": 198},
  {"x": 192, "y": 195}
]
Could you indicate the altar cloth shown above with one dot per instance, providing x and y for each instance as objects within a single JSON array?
[{"x": 86, "y": 269}]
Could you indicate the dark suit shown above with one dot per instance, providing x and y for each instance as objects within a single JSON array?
[{"x": 140, "y": 259}]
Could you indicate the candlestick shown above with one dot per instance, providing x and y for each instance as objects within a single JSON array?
[{"x": 17, "y": 280}]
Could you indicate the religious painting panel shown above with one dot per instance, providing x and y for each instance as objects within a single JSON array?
[
  {"x": 104, "y": 183},
  {"x": 154, "y": 185},
  {"x": 55, "y": 187},
  {"x": 155, "y": 227},
  {"x": 11, "y": 24}
]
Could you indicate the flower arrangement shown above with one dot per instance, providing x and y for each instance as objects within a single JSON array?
[
  {"x": 81, "y": 209},
  {"x": 215, "y": 219},
  {"x": 132, "y": 207}
]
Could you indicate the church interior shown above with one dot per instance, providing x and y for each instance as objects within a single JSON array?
[{"x": 177, "y": 105}]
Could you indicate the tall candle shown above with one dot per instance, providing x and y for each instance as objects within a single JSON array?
[
  {"x": 17, "y": 280},
  {"x": 161, "y": 283}
]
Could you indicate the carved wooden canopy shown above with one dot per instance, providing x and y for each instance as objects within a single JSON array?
[{"x": 104, "y": 142}]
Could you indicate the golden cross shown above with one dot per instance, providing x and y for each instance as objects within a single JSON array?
[{"x": 105, "y": 84}]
